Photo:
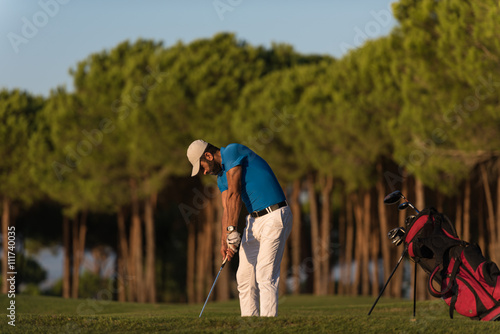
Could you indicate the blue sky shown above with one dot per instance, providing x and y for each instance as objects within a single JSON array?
[{"x": 40, "y": 40}]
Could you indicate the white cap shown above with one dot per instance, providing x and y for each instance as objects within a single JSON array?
[{"x": 194, "y": 153}]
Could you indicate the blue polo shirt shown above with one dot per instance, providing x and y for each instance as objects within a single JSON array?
[{"x": 259, "y": 186}]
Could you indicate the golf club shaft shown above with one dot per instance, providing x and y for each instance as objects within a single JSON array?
[
  {"x": 413, "y": 207},
  {"x": 383, "y": 289},
  {"x": 222, "y": 266}
]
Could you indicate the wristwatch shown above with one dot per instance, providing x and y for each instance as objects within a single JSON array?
[{"x": 231, "y": 228}]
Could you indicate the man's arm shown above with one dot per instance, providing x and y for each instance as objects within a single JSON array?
[{"x": 231, "y": 203}]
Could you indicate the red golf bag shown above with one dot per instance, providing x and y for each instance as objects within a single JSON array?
[{"x": 458, "y": 271}]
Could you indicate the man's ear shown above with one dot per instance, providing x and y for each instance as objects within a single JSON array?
[{"x": 208, "y": 156}]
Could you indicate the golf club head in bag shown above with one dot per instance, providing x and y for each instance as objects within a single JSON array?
[
  {"x": 395, "y": 197},
  {"x": 397, "y": 235}
]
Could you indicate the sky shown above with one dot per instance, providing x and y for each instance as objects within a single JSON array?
[{"x": 41, "y": 40}]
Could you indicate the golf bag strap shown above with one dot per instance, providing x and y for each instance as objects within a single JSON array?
[{"x": 439, "y": 294}]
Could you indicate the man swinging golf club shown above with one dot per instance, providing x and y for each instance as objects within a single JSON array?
[{"x": 244, "y": 176}]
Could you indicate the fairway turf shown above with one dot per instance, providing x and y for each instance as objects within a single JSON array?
[{"x": 297, "y": 314}]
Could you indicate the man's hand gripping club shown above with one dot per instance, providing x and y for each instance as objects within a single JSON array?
[{"x": 230, "y": 245}]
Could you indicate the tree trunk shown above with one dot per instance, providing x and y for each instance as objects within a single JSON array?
[
  {"x": 131, "y": 267},
  {"x": 373, "y": 235},
  {"x": 366, "y": 236},
  {"x": 383, "y": 223},
  {"x": 76, "y": 260},
  {"x": 5, "y": 243},
  {"x": 150, "y": 249},
  {"x": 466, "y": 212},
  {"x": 374, "y": 259},
  {"x": 422, "y": 293},
  {"x": 342, "y": 282},
  {"x": 459, "y": 215},
  {"x": 361, "y": 275},
  {"x": 481, "y": 222},
  {"x": 123, "y": 284},
  {"x": 315, "y": 241},
  {"x": 296, "y": 234},
  {"x": 326, "y": 218},
  {"x": 397, "y": 280},
  {"x": 191, "y": 257},
  {"x": 66, "y": 282},
  {"x": 79, "y": 233},
  {"x": 283, "y": 271},
  {"x": 201, "y": 274},
  {"x": 349, "y": 247},
  {"x": 209, "y": 248},
  {"x": 492, "y": 233},
  {"x": 136, "y": 246},
  {"x": 439, "y": 202}
]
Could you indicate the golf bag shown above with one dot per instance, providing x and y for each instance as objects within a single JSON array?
[{"x": 458, "y": 271}]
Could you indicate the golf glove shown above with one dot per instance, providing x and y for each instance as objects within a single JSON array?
[{"x": 233, "y": 240}]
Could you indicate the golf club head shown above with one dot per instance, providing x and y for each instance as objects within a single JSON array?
[
  {"x": 397, "y": 235},
  {"x": 409, "y": 220},
  {"x": 393, "y": 197},
  {"x": 403, "y": 206}
]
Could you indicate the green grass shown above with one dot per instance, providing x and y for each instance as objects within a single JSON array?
[{"x": 298, "y": 314}]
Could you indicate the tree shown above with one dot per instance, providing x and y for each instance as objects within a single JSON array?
[
  {"x": 57, "y": 154},
  {"x": 17, "y": 113}
]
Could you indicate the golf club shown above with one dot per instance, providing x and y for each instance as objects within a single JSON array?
[
  {"x": 395, "y": 197},
  {"x": 222, "y": 266},
  {"x": 397, "y": 235}
]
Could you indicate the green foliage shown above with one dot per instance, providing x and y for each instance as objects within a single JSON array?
[
  {"x": 400, "y": 97},
  {"x": 94, "y": 286},
  {"x": 30, "y": 270},
  {"x": 268, "y": 119},
  {"x": 449, "y": 87},
  {"x": 91, "y": 286},
  {"x": 31, "y": 289},
  {"x": 17, "y": 124}
]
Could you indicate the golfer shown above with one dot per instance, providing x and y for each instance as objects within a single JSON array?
[{"x": 244, "y": 176}]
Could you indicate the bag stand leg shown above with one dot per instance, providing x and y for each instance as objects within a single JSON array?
[
  {"x": 415, "y": 290},
  {"x": 383, "y": 289}
]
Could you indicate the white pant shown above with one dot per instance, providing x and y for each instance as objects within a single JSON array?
[{"x": 261, "y": 251}]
